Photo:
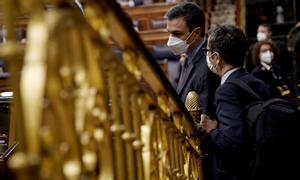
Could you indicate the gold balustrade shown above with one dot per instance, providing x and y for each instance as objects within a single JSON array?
[{"x": 85, "y": 114}]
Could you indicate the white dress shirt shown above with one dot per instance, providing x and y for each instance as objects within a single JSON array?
[{"x": 227, "y": 74}]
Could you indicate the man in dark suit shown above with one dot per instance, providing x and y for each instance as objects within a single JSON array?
[
  {"x": 186, "y": 25},
  {"x": 227, "y": 136}
]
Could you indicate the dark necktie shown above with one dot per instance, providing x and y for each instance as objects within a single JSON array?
[{"x": 183, "y": 73}]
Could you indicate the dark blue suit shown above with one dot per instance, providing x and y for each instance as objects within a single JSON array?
[
  {"x": 274, "y": 78},
  {"x": 197, "y": 77},
  {"x": 230, "y": 142}
]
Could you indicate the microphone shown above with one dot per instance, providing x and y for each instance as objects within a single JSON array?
[{"x": 193, "y": 105}]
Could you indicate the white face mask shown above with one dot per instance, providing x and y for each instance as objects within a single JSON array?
[
  {"x": 177, "y": 45},
  {"x": 210, "y": 65},
  {"x": 266, "y": 57},
  {"x": 261, "y": 36}
]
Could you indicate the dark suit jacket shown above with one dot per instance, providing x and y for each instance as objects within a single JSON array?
[
  {"x": 199, "y": 78},
  {"x": 230, "y": 142},
  {"x": 274, "y": 78}
]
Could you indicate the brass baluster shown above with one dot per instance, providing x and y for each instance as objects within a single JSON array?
[
  {"x": 195, "y": 167},
  {"x": 170, "y": 133},
  {"x": 117, "y": 127},
  {"x": 130, "y": 59},
  {"x": 164, "y": 160},
  {"x": 160, "y": 120},
  {"x": 61, "y": 97},
  {"x": 158, "y": 143},
  {"x": 165, "y": 149},
  {"x": 176, "y": 151},
  {"x": 180, "y": 155},
  {"x": 28, "y": 157},
  {"x": 96, "y": 64},
  {"x": 154, "y": 147},
  {"x": 199, "y": 166},
  {"x": 189, "y": 165},
  {"x": 102, "y": 133},
  {"x": 128, "y": 136},
  {"x": 147, "y": 117},
  {"x": 186, "y": 159},
  {"x": 137, "y": 125}
]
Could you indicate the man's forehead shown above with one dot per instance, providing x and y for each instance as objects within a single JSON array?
[
  {"x": 263, "y": 29},
  {"x": 177, "y": 24}
]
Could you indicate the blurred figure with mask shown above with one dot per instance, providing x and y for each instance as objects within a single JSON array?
[
  {"x": 186, "y": 25},
  {"x": 265, "y": 55},
  {"x": 284, "y": 60}
]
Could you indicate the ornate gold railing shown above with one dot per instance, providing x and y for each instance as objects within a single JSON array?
[{"x": 83, "y": 113}]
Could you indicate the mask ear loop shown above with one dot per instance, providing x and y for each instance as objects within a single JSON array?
[
  {"x": 191, "y": 34},
  {"x": 214, "y": 65},
  {"x": 214, "y": 53}
]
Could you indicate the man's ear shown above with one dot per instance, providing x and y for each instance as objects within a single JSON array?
[
  {"x": 198, "y": 31},
  {"x": 218, "y": 58}
]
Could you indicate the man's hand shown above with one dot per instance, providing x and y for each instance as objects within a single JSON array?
[{"x": 207, "y": 124}]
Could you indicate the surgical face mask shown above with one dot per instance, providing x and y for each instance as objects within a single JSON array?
[
  {"x": 261, "y": 36},
  {"x": 210, "y": 65},
  {"x": 179, "y": 46},
  {"x": 266, "y": 57}
]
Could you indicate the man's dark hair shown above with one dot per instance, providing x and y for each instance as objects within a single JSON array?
[
  {"x": 192, "y": 13},
  {"x": 230, "y": 42},
  {"x": 267, "y": 26}
]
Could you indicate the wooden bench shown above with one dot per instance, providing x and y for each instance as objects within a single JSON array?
[
  {"x": 146, "y": 15},
  {"x": 150, "y": 22},
  {"x": 154, "y": 37}
]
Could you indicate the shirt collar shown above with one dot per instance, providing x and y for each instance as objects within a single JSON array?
[
  {"x": 227, "y": 74},
  {"x": 265, "y": 65}
]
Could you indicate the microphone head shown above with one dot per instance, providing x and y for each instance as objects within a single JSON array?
[
  {"x": 192, "y": 101},
  {"x": 193, "y": 105}
]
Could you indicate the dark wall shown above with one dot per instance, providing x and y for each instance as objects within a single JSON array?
[{"x": 264, "y": 11}]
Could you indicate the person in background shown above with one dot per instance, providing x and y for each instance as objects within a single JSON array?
[
  {"x": 265, "y": 55},
  {"x": 186, "y": 25},
  {"x": 227, "y": 136},
  {"x": 284, "y": 60}
]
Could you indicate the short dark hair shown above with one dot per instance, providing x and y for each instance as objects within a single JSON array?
[
  {"x": 230, "y": 42},
  {"x": 192, "y": 14},
  {"x": 266, "y": 25}
]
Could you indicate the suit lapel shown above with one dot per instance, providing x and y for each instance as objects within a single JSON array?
[
  {"x": 184, "y": 78},
  {"x": 183, "y": 81}
]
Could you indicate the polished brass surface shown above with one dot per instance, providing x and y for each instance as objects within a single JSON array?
[
  {"x": 192, "y": 104},
  {"x": 85, "y": 114},
  {"x": 293, "y": 37}
]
